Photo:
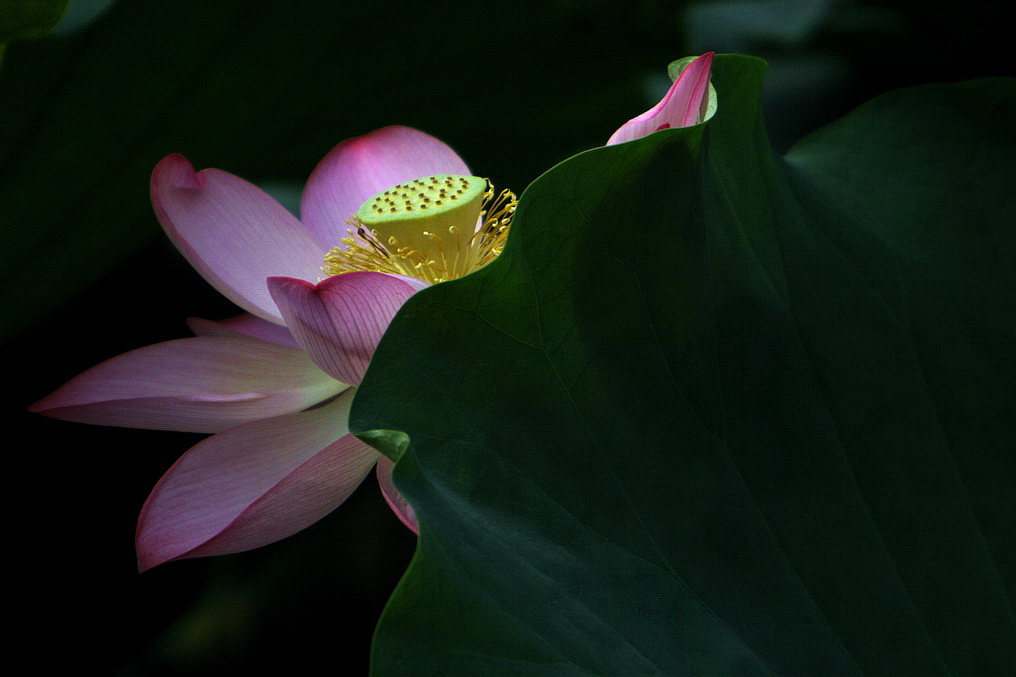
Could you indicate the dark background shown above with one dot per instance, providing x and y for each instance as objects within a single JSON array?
[{"x": 264, "y": 90}]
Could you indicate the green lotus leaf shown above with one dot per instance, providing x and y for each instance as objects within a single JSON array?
[
  {"x": 28, "y": 19},
  {"x": 714, "y": 412}
]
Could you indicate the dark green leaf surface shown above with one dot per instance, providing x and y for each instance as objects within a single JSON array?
[
  {"x": 714, "y": 413},
  {"x": 28, "y": 19}
]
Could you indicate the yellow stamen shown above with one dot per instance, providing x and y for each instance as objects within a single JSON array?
[{"x": 426, "y": 228}]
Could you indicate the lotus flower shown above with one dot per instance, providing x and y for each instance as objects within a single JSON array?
[
  {"x": 690, "y": 100},
  {"x": 274, "y": 386}
]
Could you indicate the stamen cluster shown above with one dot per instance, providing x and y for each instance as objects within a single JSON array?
[{"x": 431, "y": 254}]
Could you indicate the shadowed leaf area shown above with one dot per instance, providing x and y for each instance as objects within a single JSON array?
[
  {"x": 719, "y": 413},
  {"x": 25, "y": 20}
]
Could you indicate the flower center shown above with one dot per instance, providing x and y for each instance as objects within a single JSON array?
[{"x": 436, "y": 228}]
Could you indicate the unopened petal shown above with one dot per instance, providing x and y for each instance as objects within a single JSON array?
[
  {"x": 393, "y": 498},
  {"x": 203, "y": 384},
  {"x": 232, "y": 232},
  {"x": 359, "y": 168},
  {"x": 340, "y": 320},
  {"x": 681, "y": 106},
  {"x": 245, "y": 325},
  {"x": 253, "y": 484}
]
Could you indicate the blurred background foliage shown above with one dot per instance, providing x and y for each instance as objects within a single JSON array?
[
  {"x": 29, "y": 19},
  {"x": 264, "y": 89}
]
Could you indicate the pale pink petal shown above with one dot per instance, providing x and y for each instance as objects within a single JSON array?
[
  {"x": 253, "y": 484},
  {"x": 203, "y": 384},
  {"x": 393, "y": 498},
  {"x": 339, "y": 321},
  {"x": 365, "y": 165},
  {"x": 245, "y": 325},
  {"x": 680, "y": 106},
  {"x": 232, "y": 232}
]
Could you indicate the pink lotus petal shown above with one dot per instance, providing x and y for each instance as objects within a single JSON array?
[
  {"x": 393, "y": 498},
  {"x": 253, "y": 484},
  {"x": 245, "y": 325},
  {"x": 680, "y": 106},
  {"x": 232, "y": 232},
  {"x": 365, "y": 165},
  {"x": 203, "y": 384},
  {"x": 339, "y": 321}
]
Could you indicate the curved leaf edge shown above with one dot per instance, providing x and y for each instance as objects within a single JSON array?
[{"x": 398, "y": 444}]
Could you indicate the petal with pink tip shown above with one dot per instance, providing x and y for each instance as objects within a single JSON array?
[
  {"x": 253, "y": 484},
  {"x": 339, "y": 321},
  {"x": 246, "y": 325},
  {"x": 681, "y": 106},
  {"x": 360, "y": 167},
  {"x": 232, "y": 232},
  {"x": 393, "y": 498},
  {"x": 203, "y": 384}
]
